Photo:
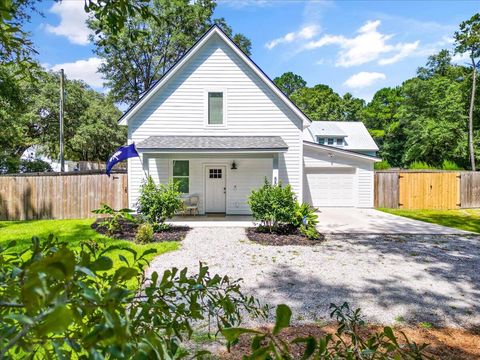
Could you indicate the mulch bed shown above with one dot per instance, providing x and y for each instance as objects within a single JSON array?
[
  {"x": 129, "y": 230},
  {"x": 444, "y": 343},
  {"x": 290, "y": 236}
]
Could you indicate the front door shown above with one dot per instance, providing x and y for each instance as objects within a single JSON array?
[{"x": 215, "y": 189}]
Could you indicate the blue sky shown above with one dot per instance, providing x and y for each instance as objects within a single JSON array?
[{"x": 352, "y": 46}]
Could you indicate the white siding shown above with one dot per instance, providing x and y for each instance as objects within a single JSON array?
[
  {"x": 251, "y": 109},
  {"x": 250, "y": 174},
  {"x": 319, "y": 160}
]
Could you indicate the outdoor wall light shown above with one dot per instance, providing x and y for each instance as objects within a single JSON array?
[{"x": 234, "y": 165}]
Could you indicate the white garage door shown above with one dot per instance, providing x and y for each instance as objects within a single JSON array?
[{"x": 330, "y": 187}]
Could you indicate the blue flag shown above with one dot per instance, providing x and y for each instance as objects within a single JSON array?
[{"x": 122, "y": 153}]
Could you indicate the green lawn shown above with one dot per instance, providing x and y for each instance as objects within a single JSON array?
[
  {"x": 465, "y": 219},
  {"x": 72, "y": 232}
]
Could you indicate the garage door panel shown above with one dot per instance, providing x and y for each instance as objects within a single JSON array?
[{"x": 331, "y": 187}]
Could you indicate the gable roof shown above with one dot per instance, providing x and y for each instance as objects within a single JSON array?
[
  {"x": 215, "y": 29},
  {"x": 358, "y": 137}
]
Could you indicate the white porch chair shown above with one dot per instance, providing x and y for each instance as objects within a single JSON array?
[{"x": 191, "y": 205}]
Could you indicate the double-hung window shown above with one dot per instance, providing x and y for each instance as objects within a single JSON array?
[
  {"x": 215, "y": 108},
  {"x": 320, "y": 140},
  {"x": 330, "y": 141},
  {"x": 181, "y": 175}
]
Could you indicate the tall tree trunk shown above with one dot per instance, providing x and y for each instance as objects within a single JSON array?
[{"x": 470, "y": 116}]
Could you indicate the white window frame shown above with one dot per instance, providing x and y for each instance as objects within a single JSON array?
[
  {"x": 215, "y": 126},
  {"x": 343, "y": 141},
  {"x": 334, "y": 141},
  {"x": 318, "y": 138}
]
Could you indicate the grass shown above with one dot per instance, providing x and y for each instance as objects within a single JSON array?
[
  {"x": 73, "y": 232},
  {"x": 464, "y": 219}
]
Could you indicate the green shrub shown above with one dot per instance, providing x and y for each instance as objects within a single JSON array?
[
  {"x": 64, "y": 303},
  {"x": 382, "y": 165},
  {"x": 361, "y": 344},
  {"x": 305, "y": 220},
  {"x": 421, "y": 165},
  {"x": 450, "y": 165},
  {"x": 144, "y": 234},
  {"x": 273, "y": 205},
  {"x": 157, "y": 203},
  {"x": 112, "y": 222}
]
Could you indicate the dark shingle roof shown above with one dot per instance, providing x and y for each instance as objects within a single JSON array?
[{"x": 213, "y": 143}]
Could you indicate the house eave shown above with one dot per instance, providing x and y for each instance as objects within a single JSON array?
[{"x": 341, "y": 151}]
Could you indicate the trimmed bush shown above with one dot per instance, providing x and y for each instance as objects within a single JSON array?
[
  {"x": 157, "y": 203},
  {"x": 450, "y": 165},
  {"x": 273, "y": 205},
  {"x": 144, "y": 234},
  {"x": 382, "y": 165},
  {"x": 420, "y": 165}
]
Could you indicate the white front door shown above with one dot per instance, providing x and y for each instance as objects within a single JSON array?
[{"x": 215, "y": 189}]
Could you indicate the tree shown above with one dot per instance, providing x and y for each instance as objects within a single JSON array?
[
  {"x": 382, "y": 109},
  {"x": 352, "y": 108},
  {"x": 432, "y": 114},
  {"x": 319, "y": 102},
  {"x": 132, "y": 64},
  {"x": 29, "y": 116},
  {"x": 289, "y": 83},
  {"x": 467, "y": 40},
  {"x": 437, "y": 64}
]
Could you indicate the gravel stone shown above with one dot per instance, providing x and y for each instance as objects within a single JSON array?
[{"x": 408, "y": 278}]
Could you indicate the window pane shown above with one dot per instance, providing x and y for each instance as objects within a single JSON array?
[
  {"x": 180, "y": 168},
  {"x": 182, "y": 184},
  {"x": 340, "y": 141},
  {"x": 330, "y": 141},
  {"x": 321, "y": 141},
  {"x": 215, "y": 108}
]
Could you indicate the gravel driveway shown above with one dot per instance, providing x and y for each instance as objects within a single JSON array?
[{"x": 412, "y": 278}]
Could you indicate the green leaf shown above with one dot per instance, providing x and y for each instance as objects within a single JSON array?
[
  {"x": 57, "y": 321},
  {"x": 232, "y": 334},
  {"x": 103, "y": 263},
  {"x": 283, "y": 316},
  {"x": 310, "y": 345},
  {"x": 125, "y": 273}
]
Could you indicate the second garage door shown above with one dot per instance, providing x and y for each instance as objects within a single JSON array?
[{"x": 331, "y": 186}]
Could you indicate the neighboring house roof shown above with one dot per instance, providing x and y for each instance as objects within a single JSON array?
[
  {"x": 358, "y": 137},
  {"x": 213, "y": 143},
  {"x": 214, "y": 30},
  {"x": 337, "y": 150}
]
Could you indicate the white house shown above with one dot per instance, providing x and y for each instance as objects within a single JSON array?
[{"x": 217, "y": 125}]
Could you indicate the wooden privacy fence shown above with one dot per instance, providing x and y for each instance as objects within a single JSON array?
[
  {"x": 427, "y": 189},
  {"x": 60, "y": 196}
]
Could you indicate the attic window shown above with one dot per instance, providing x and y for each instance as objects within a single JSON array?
[
  {"x": 339, "y": 141},
  {"x": 330, "y": 141},
  {"x": 215, "y": 108}
]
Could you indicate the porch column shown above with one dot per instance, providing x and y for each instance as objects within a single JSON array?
[{"x": 275, "y": 169}]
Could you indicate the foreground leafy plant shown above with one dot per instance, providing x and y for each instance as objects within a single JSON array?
[
  {"x": 349, "y": 342},
  {"x": 112, "y": 223},
  {"x": 61, "y": 303}
]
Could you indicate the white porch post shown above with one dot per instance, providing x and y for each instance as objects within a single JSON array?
[
  {"x": 275, "y": 169},
  {"x": 145, "y": 164}
]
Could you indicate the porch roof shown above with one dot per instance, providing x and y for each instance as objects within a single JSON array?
[{"x": 213, "y": 143}]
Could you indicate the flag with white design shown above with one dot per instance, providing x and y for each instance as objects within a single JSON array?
[{"x": 122, "y": 153}]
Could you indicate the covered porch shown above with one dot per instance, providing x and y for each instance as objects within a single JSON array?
[{"x": 218, "y": 171}]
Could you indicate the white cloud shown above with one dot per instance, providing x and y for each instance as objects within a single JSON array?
[
  {"x": 72, "y": 21},
  {"x": 404, "y": 50},
  {"x": 367, "y": 46},
  {"x": 85, "y": 70},
  {"x": 304, "y": 33},
  {"x": 363, "y": 79}
]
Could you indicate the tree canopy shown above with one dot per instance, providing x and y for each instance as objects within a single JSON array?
[{"x": 132, "y": 64}]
